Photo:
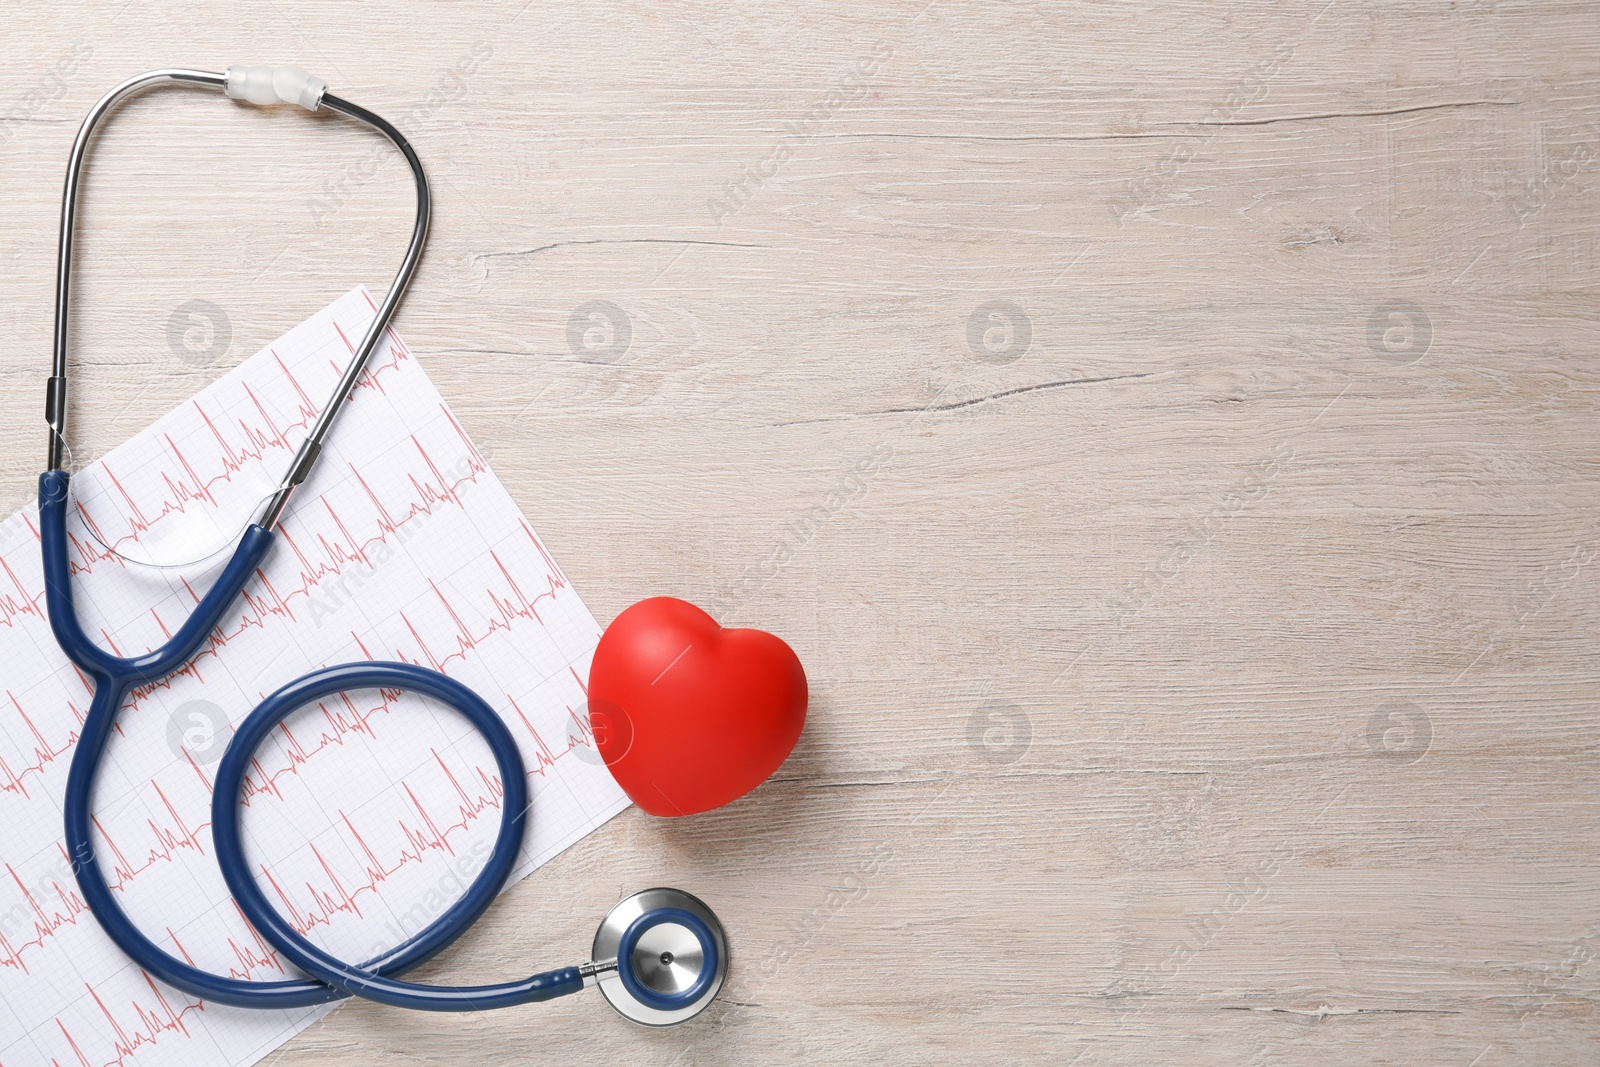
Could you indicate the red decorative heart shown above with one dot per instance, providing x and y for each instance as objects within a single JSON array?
[{"x": 688, "y": 715}]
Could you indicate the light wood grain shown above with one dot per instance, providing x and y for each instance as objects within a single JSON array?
[{"x": 1197, "y": 538}]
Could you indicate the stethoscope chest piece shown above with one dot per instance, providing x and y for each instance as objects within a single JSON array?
[{"x": 670, "y": 957}]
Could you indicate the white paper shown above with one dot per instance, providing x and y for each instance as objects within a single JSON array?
[{"x": 371, "y": 811}]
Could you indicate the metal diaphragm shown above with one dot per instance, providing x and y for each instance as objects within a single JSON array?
[{"x": 666, "y": 958}]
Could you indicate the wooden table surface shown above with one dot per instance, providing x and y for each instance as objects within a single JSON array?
[{"x": 1166, "y": 433}]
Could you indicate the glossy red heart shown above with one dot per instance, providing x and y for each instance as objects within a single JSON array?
[{"x": 689, "y": 715}]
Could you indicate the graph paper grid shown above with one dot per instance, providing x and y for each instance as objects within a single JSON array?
[{"x": 367, "y": 814}]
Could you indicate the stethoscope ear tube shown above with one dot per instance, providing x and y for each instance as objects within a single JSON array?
[{"x": 114, "y": 677}]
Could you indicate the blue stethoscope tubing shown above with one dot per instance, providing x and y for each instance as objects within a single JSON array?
[
  {"x": 369, "y": 980},
  {"x": 114, "y": 677}
]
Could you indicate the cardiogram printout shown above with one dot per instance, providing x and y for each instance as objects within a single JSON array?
[{"x": 368, "y": 814}]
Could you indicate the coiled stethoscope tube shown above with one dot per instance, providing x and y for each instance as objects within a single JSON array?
[{"x": 668, "y": 956}]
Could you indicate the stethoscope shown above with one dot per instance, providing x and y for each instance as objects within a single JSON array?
[{"x": 659, "y": 957}]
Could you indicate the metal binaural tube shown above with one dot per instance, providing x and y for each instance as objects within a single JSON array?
[
  {"x": 306, "y": 456},
  {"x": 311, "y": 447},
  {"x": 55, "y": 413}
]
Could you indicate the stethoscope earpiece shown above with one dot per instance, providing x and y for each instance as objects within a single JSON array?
[{"x": 661, "y": 957}]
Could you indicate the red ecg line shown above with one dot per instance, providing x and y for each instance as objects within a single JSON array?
[
  {"x": 44, "y": 753},
  {"x": 46, "y": 923},
  {"x": 258, "y": 441},
  {"x": 427, "y": 833},
  {"x": 329, "y": 561},
  {"x": 259, "y": 957},
  {"x": 152, "y": 1022},
  {"x": 167, "y": 843},
  {"x": 505, "y": 609}
]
